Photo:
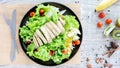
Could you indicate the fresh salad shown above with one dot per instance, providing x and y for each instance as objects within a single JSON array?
[{"x": 50, "y": 35}]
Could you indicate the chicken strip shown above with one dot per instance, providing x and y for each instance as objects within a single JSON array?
[
  {"x": 50, "y": 33},
  {"x": 55, "y": 27},
  {"x": 38, "y": 39},
  {"x": 46, "y": 34},
  {"x": 35, "y": 41},
  {"x": 60, "y": 26},
  {"x": 62, "y": 21},
  {"x": 52, "y": 29},
  {"x": 40, "y": 35}
]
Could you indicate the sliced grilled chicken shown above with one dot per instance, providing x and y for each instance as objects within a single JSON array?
[
  {"x": 40, "y": 35},
  {"x": 35, "y": 41},
  {"x": 38, "y": 39},
  {"x": 52, "y": 29},
  {"x": 50, "y": 33},
  {"x": 62, "y": 21},
  {"x": 46, "y": 34},
  {"x": 60, "y": 26},
  {"x": 55, "y": 27}
]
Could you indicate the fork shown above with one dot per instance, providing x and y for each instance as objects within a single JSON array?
[{"x": 12, "y": 26}]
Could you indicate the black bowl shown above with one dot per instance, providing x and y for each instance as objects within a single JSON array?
[{"x": 68, "y": 12}]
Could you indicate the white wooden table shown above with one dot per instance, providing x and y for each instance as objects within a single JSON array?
[{"x": 93, "y": 39}]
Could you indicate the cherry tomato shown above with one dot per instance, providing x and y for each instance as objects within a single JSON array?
[
  {"x": 41, "y": 12},
  {"x": 65, "y": 51},
  {"x": 99, "y": 24},
  {"x": 108, "y": 21},
  {"x": 77, "y": 42},
  {"x": 52, "y": 52},
  {"x": 32, "y": 14},
  {"x": 101, "y": 15}
]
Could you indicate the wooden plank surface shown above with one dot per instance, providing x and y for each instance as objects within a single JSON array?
[{"x": 5, "y": 44}]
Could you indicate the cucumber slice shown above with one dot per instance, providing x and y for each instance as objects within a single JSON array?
[
  {"x": 108, "y": 30},
  {"x": 116, "y": 34}
]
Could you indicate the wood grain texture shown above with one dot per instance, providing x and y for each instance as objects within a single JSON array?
[{"x": 5, "y": 38}]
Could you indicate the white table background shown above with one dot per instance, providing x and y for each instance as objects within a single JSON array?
[{"x": 93, "y": 39}]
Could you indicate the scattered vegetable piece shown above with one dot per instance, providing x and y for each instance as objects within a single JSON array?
[
  {"x": 116, "y": 34},
  {"x": 108, "y": 21},
  {"x": 101, "y": 15},
  {"x": 110, "y": 66},
  {"x": 114, "y": 45},
  {"x": 89, "y": 66},
  {"x": 106, "y": 65},
  {"x": 118, "y": 22},
  {"x": 108, "y": 30},
  {"x": 99, "y": 24},
  {"x": 32, "y": 14},
  {"x": 101, "y": 60},
  {"x": 87, "y": 59},
  {"x": 97, "y": 60},
  {"x": 113, "y": 48}
]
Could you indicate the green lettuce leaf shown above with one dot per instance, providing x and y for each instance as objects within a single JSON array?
[
  {"x": 25, "y": 33},
  {"x": 42, "y": 53},
  {"x": 30, "y": 49},
  {"x": 70, "y": 22}
]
